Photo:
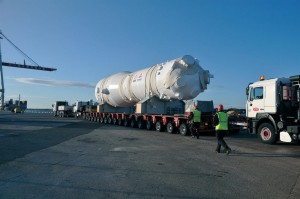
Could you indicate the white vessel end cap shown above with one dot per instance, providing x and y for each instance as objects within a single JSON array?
[{"x": 188, "y": 59}]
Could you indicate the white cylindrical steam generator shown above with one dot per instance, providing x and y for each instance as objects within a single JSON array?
[{"x": 180, "y": 79}]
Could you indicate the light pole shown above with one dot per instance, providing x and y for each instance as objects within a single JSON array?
[{"x": 2, "y": 81}]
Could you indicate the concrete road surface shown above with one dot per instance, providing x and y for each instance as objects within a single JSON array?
[{"x": 45, "y": 157}]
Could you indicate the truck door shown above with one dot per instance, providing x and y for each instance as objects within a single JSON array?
[{"x": 255, "y": 101}]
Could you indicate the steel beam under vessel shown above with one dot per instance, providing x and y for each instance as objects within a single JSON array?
[{"x": 179, "y": 79}]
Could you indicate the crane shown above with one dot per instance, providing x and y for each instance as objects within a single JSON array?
[{"x": 25, "y": 66}]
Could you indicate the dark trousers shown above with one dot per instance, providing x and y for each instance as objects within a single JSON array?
[
  {"x": 195, "y": 129},
  {"x": 220, "y": 136}
]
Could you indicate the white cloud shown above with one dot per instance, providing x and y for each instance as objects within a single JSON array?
[{"x": 53, "y": 82}]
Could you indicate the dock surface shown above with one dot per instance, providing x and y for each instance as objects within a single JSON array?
[{"x": 46, "y": 157}]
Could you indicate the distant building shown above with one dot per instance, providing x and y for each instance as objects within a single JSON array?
[{"x": 11, "y": 104}]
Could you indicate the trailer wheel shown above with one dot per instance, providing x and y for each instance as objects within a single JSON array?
[
  {"x": 149, "y": 125},
  {"x": 105, "y": 120},
  {"x": 126, "y": 123},
  {"x": 158, "y": 126},
  {"x": 120, "y": 121},
  {"x": 266, "y": 133},
  {"x": 132, "y": 123},
  {"x": 170, "y": 127},
  {"x": 115, "y": 121},
  {"x": 109, "y": 120},
  {"x": 140, "y": 123},
  {"x": 101, "y": 120},
  {"x": 183, "y": 129}
]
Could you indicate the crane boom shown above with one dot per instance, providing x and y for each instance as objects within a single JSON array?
[
  {"x": 37, "y": 67},
  {"x": 28, "y": 66}
]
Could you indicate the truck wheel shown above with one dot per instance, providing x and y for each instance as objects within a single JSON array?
[
  {"x": 126, "y": 123},
  {"x": 105, "y": 120},
  {"x": 149, "y": 125},
  {"x": 109, "y": 120},
  {"x": 101, "y": 120},
  {"x": 158, "y": 126},
  {"x": 132, "y": 123},
  {"x": 140, "y": 123},
  {"x": 183, "y": 129},
  {"x": 170, "y": 127},
  {"x": 115, "y": 121},
  {"x": 120, "y": 121},
  {"x": 266, "y": 133}
]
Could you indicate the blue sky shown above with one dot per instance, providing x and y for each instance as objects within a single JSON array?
[{"x": 87, "y": 40}]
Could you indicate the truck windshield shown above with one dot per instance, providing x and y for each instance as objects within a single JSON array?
[{"x": 256, "y": 93}]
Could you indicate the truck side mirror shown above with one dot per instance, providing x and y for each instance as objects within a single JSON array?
[{"x": 247, "y": 91}]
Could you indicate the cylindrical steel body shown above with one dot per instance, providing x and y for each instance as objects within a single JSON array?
[{"x": 182, "y": 79}]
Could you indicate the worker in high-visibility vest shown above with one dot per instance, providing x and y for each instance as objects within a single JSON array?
[
  {"x": 221, "y": 127},
  {"x": 196, "y": 122}
]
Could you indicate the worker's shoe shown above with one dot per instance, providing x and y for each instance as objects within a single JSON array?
[
  {"x": 218, "y": 151},
  {"x": 228, "y": 151}
]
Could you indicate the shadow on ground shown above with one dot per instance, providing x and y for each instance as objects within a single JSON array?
[{"x": 20, "y": 143}]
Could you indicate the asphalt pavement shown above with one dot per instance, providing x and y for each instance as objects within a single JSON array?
[{"x": 46, "y": 157}]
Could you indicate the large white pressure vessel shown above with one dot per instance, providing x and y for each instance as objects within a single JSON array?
[{"x": 180, "y": 79}]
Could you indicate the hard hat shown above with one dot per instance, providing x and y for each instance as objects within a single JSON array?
[{"x": 220, "y": 107}]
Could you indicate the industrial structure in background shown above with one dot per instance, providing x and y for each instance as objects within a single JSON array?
[
  {"x": 15, "y": 106},
  {"x": 25, "y": 66}
]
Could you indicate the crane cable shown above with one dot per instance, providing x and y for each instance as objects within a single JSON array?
[{"x": 19, "y": 49}]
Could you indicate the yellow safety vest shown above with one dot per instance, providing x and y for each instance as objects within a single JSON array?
[
  {"x": 197, "y": 116},
  {"x": 223, "y": 121}
]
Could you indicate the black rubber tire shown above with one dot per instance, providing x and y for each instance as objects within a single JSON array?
[
  {"x": 266, "y": 133},
  {"x": 183, "y": 129},
  {"x": 105, "y": 120},
  {"x": 101, "y": 120},
  {"x": 297, "y": 142},
  {"x": 120, "y": 121},
  {"x": 149, "y": 125},
  {"x": 170, "y": 128},
  {"x": 132, "y": 123},
  {"x": 115, "y": 121},
  {"x": 109, "y": 120},
  {"x": 126, "y": 123},
  {"x": 159, "y": 127},
  {"x": 141, "y": 124}
]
